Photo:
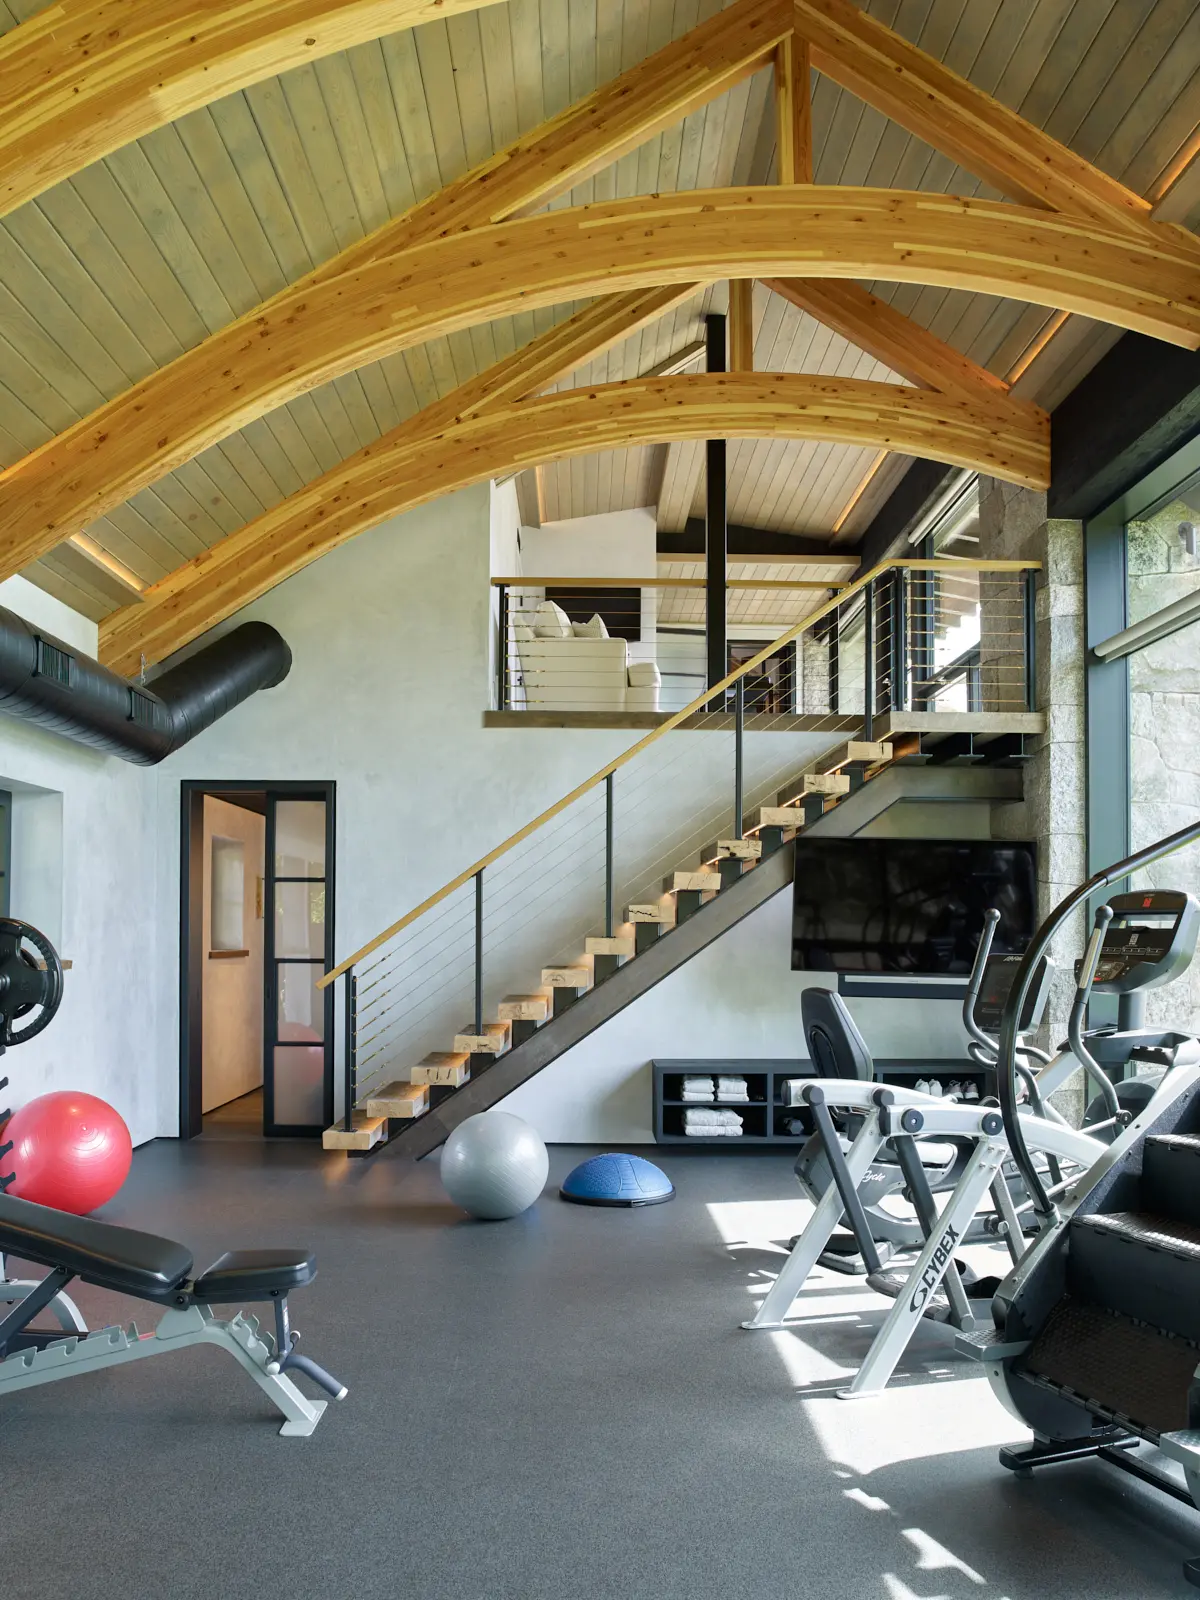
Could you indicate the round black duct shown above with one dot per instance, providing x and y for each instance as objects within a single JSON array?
[{"x": 47, "y": 682}]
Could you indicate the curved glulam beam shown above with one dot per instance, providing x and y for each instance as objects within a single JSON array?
[
  {"x": 83, "y": 77},
  {"x": 1148, "y": 281},
  {"x": 948, "y": 112},
  {"x": 416, "y": 462}
]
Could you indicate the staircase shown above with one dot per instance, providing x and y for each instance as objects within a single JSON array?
[
  {"x": 897, "y": 708},
  {"x": 702, "y": 898}
]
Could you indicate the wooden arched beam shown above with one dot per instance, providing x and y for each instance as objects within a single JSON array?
[
  {"x": 1147, "y": 279},
  {"x": 83, "y": 77},
  {"x": 418, "y": 462}
]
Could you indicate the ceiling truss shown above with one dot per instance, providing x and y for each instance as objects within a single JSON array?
[{"x": 1076, "y": 240}]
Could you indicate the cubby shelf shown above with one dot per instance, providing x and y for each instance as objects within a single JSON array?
[{"x": 763, "y": 1113}]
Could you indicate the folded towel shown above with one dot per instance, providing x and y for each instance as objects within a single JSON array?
[
  {"x": 711, "y": 1119},
  {"x": 690, "y": 1096},
  {"x": 698, "y": 1084},
  {"x": 713, "y": 1133}
]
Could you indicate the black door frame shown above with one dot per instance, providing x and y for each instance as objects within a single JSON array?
[{"x": 191, "y": 930}]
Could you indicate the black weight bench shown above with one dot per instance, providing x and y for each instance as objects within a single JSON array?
[{"x": 160, "y": 1271}]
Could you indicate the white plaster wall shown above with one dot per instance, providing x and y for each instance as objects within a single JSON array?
[
  {"x": 391, "y": 643},
  {"x": 616, "y": 544},
  {"x": 106, "y": 1038}
]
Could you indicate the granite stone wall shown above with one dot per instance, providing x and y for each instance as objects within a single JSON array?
[{"x": 1013, "y": 525}]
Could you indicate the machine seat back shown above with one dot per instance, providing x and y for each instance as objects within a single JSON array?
[{"x": 835, "y": 1046}]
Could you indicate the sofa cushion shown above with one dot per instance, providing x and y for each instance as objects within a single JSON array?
[
  {"x": 643, "y": 674},
  {"x": 592, "y": 629},
  {"x": 551, "y": 621}
]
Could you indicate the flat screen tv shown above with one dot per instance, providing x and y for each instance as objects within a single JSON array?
[{"x": 908, "y": 906}]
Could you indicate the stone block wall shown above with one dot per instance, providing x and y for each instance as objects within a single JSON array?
[{"x": 1014, "y": 525}]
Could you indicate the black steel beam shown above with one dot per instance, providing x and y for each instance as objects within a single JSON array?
[
  {"x": 745, "y": 544},
  {"x": 1138, "y": 404}
]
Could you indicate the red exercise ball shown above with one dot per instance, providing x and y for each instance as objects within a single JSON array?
[{"x": 71, "y": 1151}]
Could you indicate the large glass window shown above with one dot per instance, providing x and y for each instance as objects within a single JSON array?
[{"x": 1144, "y": 688}]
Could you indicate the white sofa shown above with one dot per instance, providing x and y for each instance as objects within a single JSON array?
[{"x": 578, "y": 667}]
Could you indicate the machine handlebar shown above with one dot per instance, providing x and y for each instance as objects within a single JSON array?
[{"x": 1083, "y": 993}]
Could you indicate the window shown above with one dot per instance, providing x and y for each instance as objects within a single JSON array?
[{"x": 1143, "y": 591}]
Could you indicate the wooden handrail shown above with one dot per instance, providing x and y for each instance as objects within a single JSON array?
[{"x": 672, "y": 722}]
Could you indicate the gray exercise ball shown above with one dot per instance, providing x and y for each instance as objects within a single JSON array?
[{"x": 494, "y": 1165}]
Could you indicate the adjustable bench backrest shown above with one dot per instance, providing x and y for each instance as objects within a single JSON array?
[{"x": 133, "y": 1263}]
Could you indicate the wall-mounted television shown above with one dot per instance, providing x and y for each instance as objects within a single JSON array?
[{"x": 908, "y": 906}]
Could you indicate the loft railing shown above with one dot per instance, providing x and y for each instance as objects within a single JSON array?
[
  {"x": 939, "y": 636},
  {"x": 930, "y": 636}
]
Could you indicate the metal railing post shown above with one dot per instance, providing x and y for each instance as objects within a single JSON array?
[
  {"x": 900, "y": 643},
  {"x": 502, "y": 652},
  {"x": 608, "y": 856},
  {"x": 479, "y": 952},
  {"x": 1030, "y": 598},
  {"x": 350, "y": 1064},
  {"x": 869, "y": 660},
  {"x": 739, "y": 724}
]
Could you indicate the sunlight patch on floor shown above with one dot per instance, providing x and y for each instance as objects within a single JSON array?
[
  {"x": 911, "y": 1423},
  {"x": 763, "y": 1224}
]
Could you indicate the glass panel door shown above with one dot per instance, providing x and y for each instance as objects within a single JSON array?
[{"x": 298, "y": 1032}]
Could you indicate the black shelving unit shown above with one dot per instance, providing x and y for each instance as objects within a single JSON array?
[{"x": 766, "y": 1117}]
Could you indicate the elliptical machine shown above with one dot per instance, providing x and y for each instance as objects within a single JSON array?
[
  {"x": 837, "y": 1050},
  {"x": 1096, "y": 1336}
]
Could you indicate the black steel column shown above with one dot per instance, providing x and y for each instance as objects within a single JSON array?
[
  {"x": 716, "y": 529},
  {"x": 502, "y": 651},
  {"x": 869, "y": 660}
]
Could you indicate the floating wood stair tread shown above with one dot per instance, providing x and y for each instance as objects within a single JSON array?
[
  {"x": 399, "y": 1100},
  {"x": 661, "y": 911},
  {"x": 444, "y": 1066},
  {"x": 822, "y": 783},
  {"x": 566, "y": 977},
  {"x": 732, "y": 850},
  {"x": 492, "y": 1041},
  {"x": 679, "y": 882},
  {"x": 366, "y": 1133},
  {"x": 774, "y": 817},
  {"x": 599, "y": 946},
  {"x": 523, "y": 1008},
  {"x": 856, "y": 753}
]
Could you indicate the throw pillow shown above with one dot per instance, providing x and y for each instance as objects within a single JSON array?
[{"x": 551, "y": 621}]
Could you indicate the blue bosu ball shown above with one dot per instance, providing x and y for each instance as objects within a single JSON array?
[{"x": 617, "y": 1179}]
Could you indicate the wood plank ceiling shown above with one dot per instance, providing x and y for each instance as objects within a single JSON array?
[{"x": 113, "y": 273}]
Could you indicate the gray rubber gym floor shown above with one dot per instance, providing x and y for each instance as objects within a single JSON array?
[{"x": 555, "y": 1408}]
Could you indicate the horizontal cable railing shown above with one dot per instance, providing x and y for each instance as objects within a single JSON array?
[{"x": 524, "y": 930}]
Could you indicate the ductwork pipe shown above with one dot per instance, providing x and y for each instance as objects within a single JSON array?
[{"x": 47, "y": 682}]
